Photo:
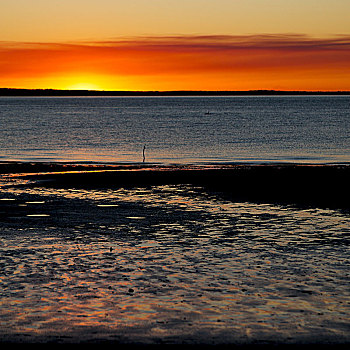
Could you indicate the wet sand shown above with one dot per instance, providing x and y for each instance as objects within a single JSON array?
[
  {"x": 308, "y": 185},
  {"x": 149, "y": 254}
]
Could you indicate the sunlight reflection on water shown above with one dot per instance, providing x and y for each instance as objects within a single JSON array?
[{"x": 171, "y": 260}]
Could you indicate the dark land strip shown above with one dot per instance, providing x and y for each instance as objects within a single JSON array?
[
  {"x": 324, "y": 186},
  {"x": 87, "y": 93}
]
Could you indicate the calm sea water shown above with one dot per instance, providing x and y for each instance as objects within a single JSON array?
[{"x": 310, "y": 129}]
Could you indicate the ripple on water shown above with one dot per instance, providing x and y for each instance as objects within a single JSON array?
[{"x": 188, "y": 257}]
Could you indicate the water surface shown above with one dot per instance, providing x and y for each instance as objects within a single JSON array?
[{"x": 310, "y": 129}]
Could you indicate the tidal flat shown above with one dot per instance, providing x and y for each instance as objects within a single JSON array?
[{"x": 86, "y": 257}]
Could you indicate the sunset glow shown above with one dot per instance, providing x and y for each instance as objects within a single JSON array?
[
  {"x": 287, "y": 62},
  {"x": 83, "y": 86},
  {"x": 238, "y": 45}
]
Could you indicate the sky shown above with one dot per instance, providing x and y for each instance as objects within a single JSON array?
[{"x": 175, "y": 45}]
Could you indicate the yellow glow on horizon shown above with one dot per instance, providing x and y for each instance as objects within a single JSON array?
[
  {"x": 83, "y": 86},
  {"x": 73, "y": 81},
  {"x": 97, "y": 82},
  {"x": 88, "y": 82}
]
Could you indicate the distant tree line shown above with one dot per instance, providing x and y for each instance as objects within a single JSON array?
[{"x": 53, "y": 92}]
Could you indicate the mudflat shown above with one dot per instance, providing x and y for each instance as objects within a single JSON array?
[{"x": 149, "y": 254}]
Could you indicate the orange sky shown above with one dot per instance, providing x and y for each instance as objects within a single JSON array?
[
  {"x": 222, "y": 45},
  {"x": 285, "y": 62}
]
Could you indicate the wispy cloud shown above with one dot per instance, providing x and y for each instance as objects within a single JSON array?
[{"x": 231, "y": 42}]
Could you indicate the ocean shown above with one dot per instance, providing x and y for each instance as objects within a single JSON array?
[{"x": 180, "y": 130}]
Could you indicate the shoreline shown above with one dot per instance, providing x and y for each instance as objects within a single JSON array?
[
  {"x": 320, "y": 185},
  {"x": 16, "y": 166}
]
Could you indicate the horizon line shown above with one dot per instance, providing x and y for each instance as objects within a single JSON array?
[{"x": 57, "y": 92}]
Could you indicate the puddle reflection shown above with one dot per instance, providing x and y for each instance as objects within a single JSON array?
[{"x": 172, "y": 258}]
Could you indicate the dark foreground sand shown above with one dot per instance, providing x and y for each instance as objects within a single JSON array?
[
  {"x": 308, "y": 185},
  {"x": 146, "y": 254}
]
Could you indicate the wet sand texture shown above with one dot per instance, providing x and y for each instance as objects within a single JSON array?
[
  {"x": 323, "y": 186},
  {"x": 175, "y": 255}
]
